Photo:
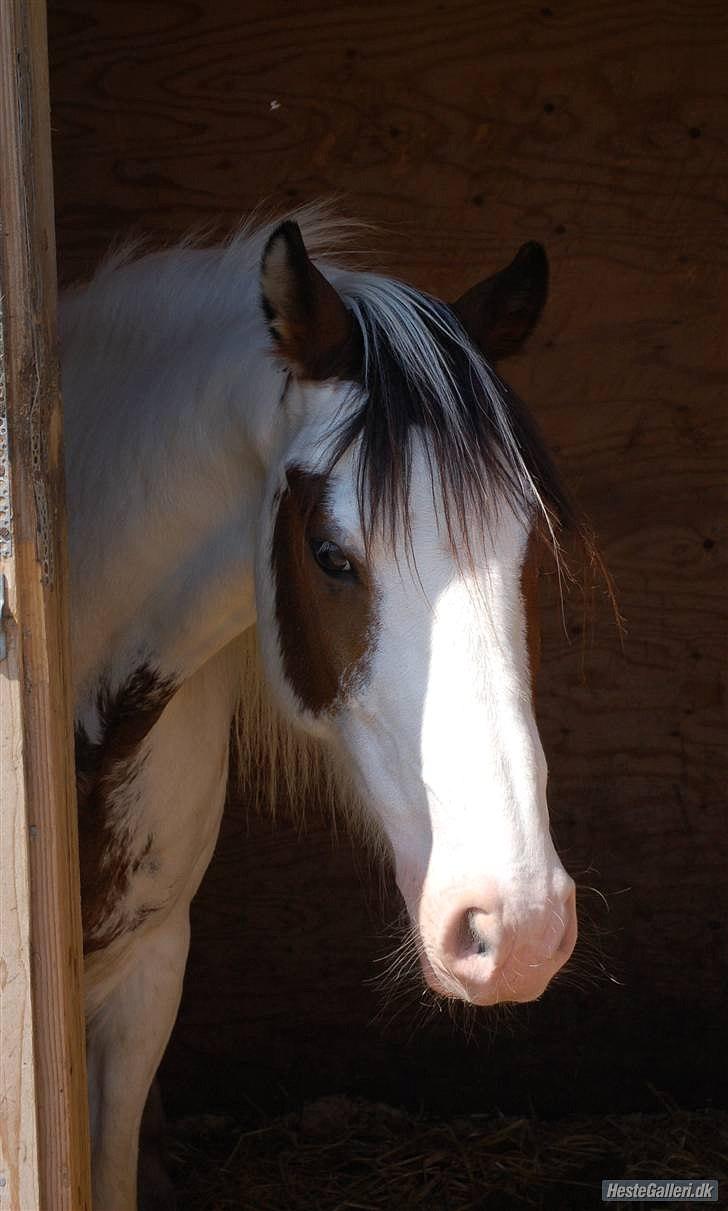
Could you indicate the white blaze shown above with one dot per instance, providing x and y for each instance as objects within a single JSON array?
[{"x": 443, "y": 736}]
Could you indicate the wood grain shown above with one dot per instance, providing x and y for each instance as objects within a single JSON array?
[
  {"x": 43, "y": 1120},
  {"x": 464, "y": 129}
]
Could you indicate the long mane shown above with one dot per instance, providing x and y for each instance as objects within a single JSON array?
[{"x": 422, "y": 377}]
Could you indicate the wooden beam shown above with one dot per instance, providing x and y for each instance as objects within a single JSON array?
[{"x": 43, "y": 1116}]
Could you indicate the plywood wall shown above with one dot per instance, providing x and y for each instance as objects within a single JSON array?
[{"x": 465, "y": 128}]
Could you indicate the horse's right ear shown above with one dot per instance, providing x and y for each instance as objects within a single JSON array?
[
  {"x": 500, "y": 312},
  {"x": 307, "y": 318}
]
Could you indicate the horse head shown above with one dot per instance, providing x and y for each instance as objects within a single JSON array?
[{"x": 395, "y": 596}]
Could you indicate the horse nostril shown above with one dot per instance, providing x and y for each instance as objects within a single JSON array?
[{"x": 477, "y": 924}]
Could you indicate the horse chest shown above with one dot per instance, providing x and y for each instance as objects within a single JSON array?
[{"x": 149, "y": 812}]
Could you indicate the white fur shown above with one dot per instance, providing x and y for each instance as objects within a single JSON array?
[{"x": 176, "y": 444}]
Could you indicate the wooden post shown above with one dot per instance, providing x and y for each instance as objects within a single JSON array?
[{"x": 43, "y": 1117}]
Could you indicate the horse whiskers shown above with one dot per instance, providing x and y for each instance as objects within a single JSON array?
[
  {"x": 588, "y": 967},
  {"x": 596, "y": 891},
  {"x": 400, "y": 962},
  {"x": 400, "y": 983},
  {"x": 403, "y": 989}
]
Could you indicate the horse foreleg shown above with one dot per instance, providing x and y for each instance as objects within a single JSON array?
[
  {"x": 155, "y": 1191},
  {"x": 125, "y": 1043}
]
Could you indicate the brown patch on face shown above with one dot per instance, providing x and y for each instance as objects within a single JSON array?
[
  {"x": 325, "y": 623},
  {"x": 107, "y": 852},
  {"x": 529, "y": 593}
]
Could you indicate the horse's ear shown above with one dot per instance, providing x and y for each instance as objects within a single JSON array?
[
  {"x": 307, "y": 318},
  {"x": 500, "y": 312}
]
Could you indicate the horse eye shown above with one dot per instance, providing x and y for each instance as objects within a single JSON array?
[{"x": 330, "y": 558}]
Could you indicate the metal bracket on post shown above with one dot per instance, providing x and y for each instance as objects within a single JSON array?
[
  {"x": 6, "y": 532},
  {"x": 3, "y": 637}
]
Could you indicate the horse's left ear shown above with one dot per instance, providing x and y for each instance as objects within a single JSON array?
[
  {"x": 307, "y": 318},
  {"x": 500, "y": 312}
]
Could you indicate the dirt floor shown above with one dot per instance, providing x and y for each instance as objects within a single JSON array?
[{"x": 343, "y": 1155}]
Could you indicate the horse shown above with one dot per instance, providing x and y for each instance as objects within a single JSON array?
[{"x": 302, "y": 498}]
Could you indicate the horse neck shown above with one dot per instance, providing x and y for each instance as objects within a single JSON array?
[{"x": 170, "y": 398}]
